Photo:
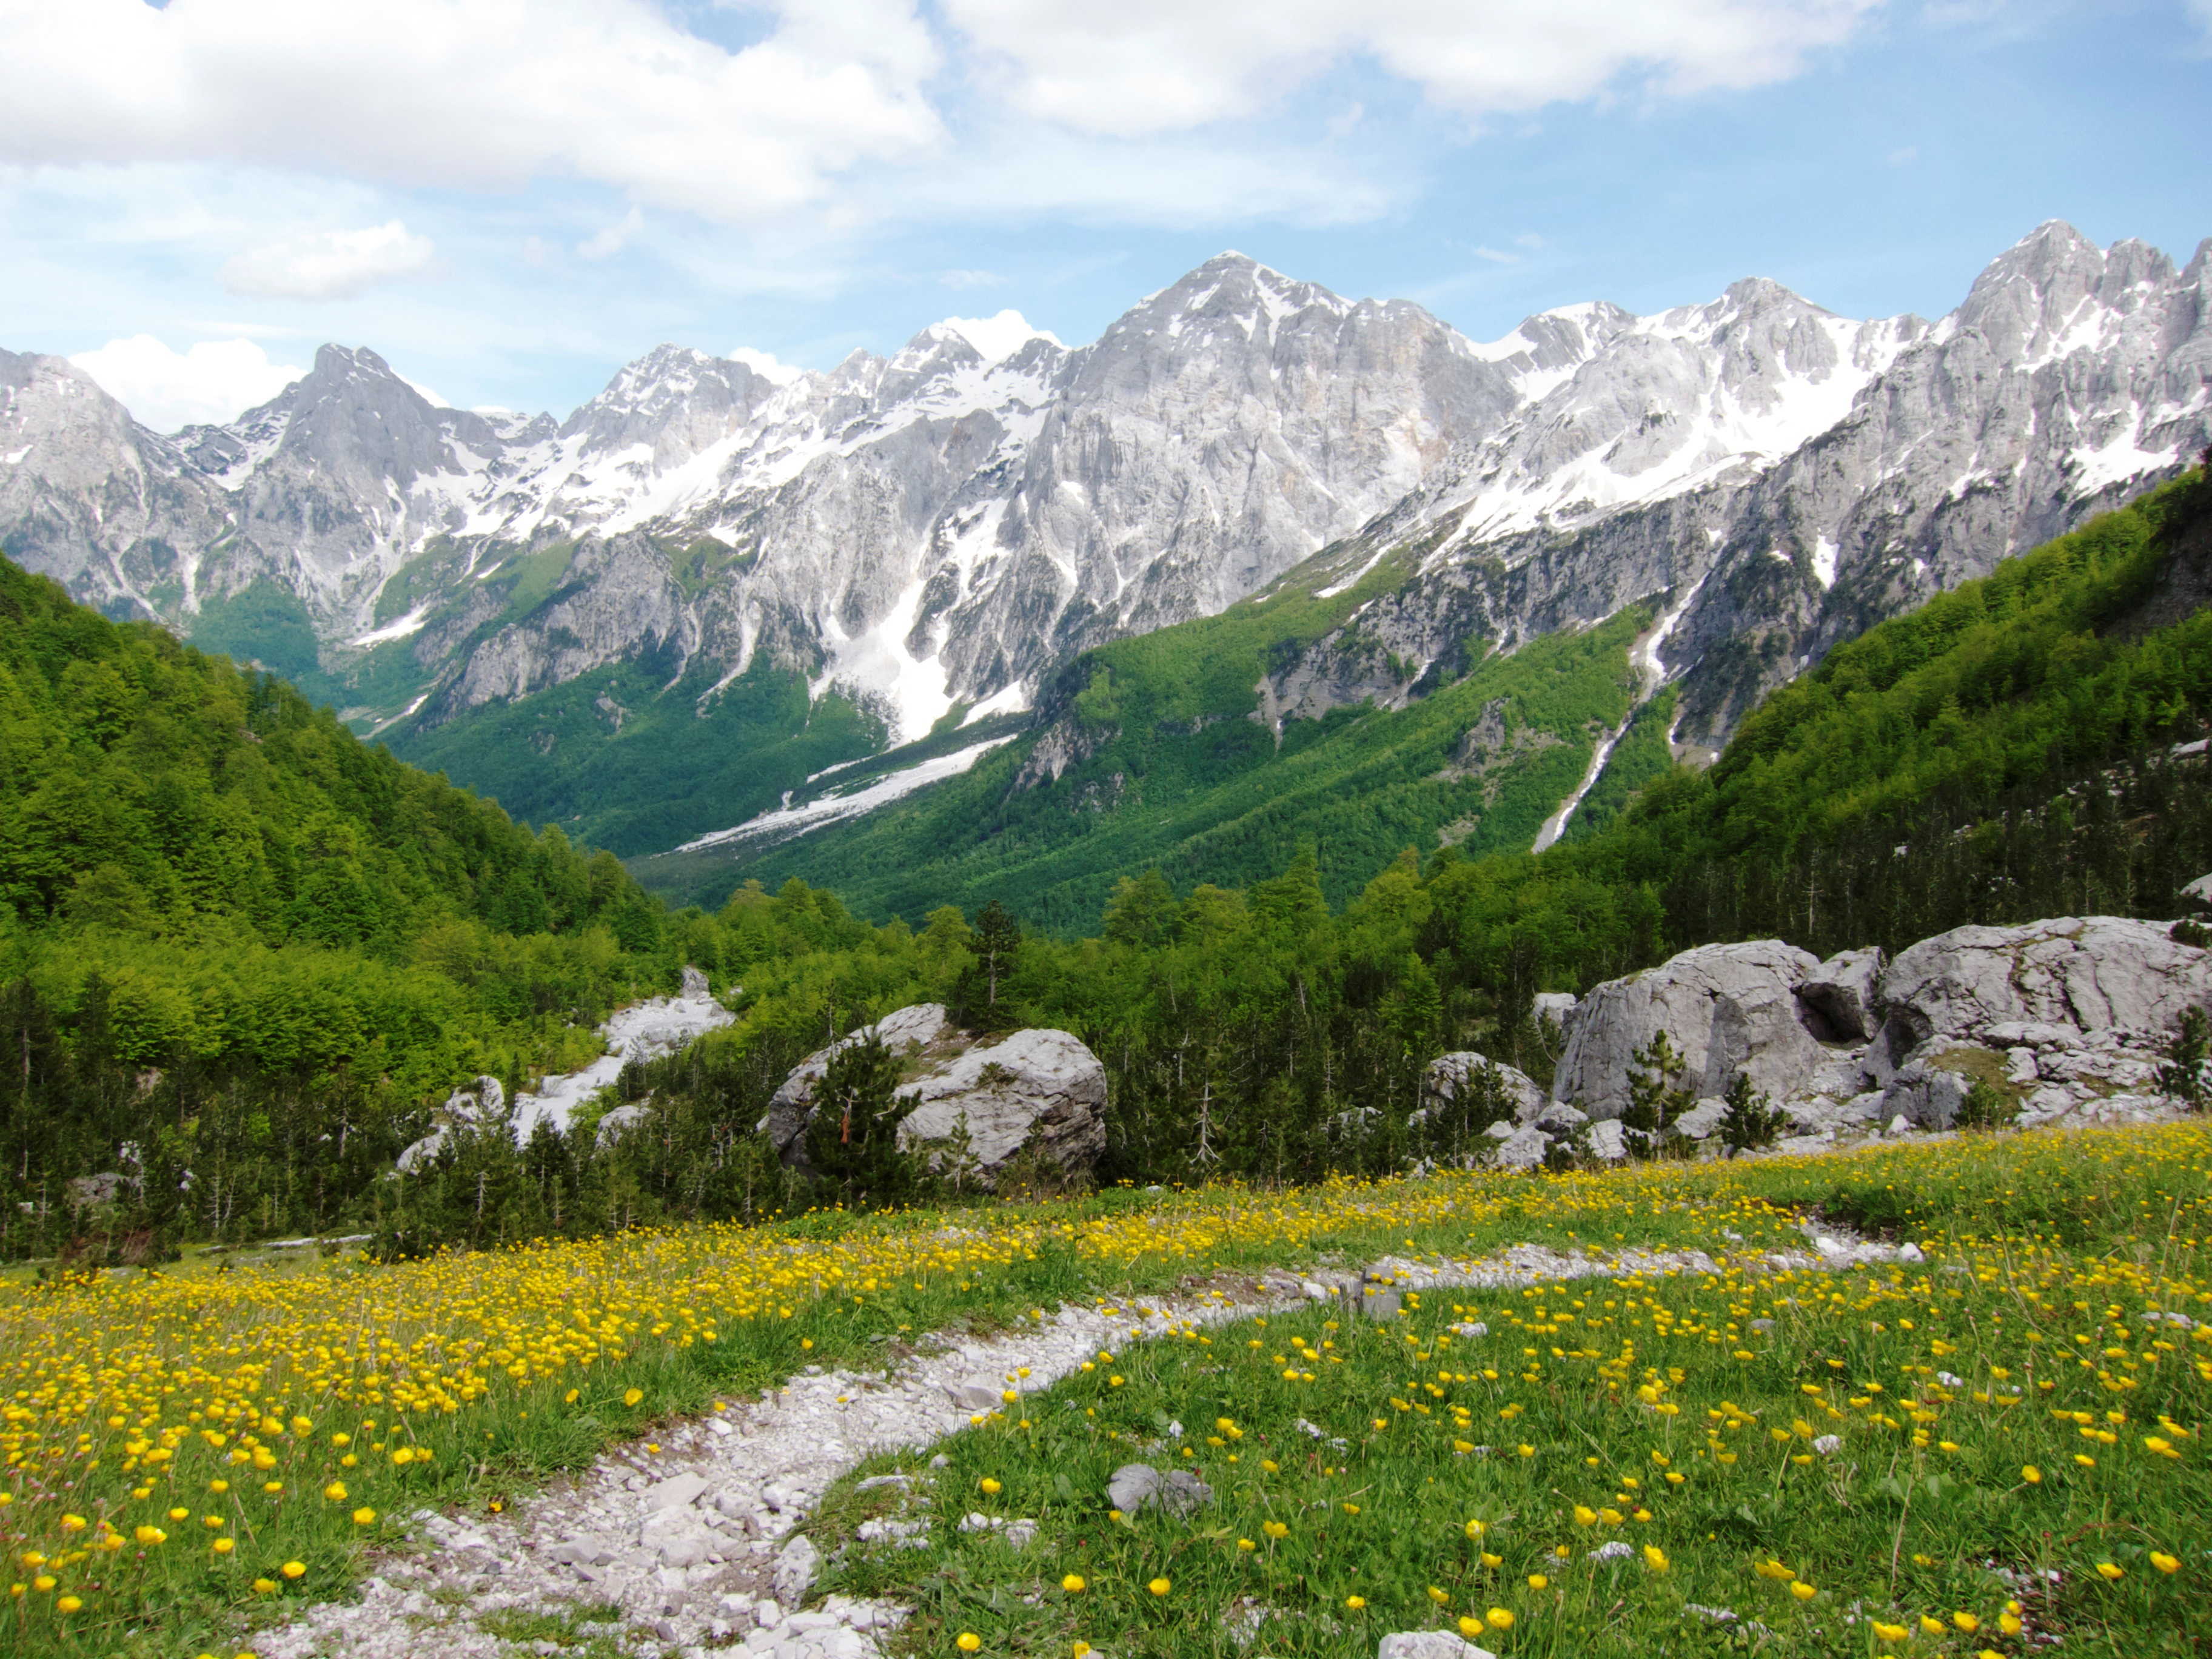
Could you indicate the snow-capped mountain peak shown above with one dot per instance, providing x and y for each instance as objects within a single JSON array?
[{"x": 943, "y": 526}]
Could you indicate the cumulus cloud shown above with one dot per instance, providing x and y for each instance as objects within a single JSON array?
[
  {"x": 213, "y": 381},
  {"x": 483, "y": 94},
  {"x": 1157, "y": 65},
  {"x": 330, "y": 265}
]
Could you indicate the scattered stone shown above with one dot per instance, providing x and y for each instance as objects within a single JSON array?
[
  {"x": 1429, "y": 1645},
  {"x": 1133, "y": 1485},
  {"x": 678, "y": 1491},
  {"x": 1523, "y": 1149},
  {"x": 796, "y": 1564},
  {"x": 1703, "y": 1120}
]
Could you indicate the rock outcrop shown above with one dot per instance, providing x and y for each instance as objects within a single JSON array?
[
  {"x": 1842, "y": 994},
  {"x": 2066, "y": 1020},
  {"x": 1726, "y": 1008},
  {"x": 1037, "y": 1092},
  {"x": 480, "y": 1103},
  {"x": 2088, "y": 972}
]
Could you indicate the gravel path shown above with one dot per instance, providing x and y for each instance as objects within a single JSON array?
[{"x": 694, "y": 1548}]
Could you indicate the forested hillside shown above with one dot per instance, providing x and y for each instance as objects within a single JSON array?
[
  {"x": 1156, "y": 752},
  {"x": 251, "y": 946}
]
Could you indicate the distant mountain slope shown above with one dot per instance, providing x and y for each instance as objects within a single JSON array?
[
  {"x": 1159, "y": 752},
  {"x": 1171, "y": 752},
  {"x": 934, "y": 535}
]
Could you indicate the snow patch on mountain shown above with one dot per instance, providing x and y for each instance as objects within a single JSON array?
[{"x": 785, "y": 822}]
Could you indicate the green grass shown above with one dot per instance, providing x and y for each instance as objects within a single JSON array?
[
  {"x": 1453, "y": 1471},
  {"x": 620, "y": 758},
  {"x": 2046, "y": 1310}
]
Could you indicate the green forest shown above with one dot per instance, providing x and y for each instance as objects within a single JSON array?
[
  {"x": 1170, "y": 767},
  {"x": 255, "y": 951}
]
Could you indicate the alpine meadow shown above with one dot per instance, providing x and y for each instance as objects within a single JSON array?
[{"x": 1241, "y": 973}]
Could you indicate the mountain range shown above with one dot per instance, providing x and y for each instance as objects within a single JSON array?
[{"x": 670, "y": 614}]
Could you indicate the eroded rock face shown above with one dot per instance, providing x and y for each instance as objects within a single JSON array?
[
  {"x": 1841, "y": 993},
  {"x": 1727, "y": 1008},
  {"x": 2091, "y": 973},
  {"x": 1039, "y": 1090}
]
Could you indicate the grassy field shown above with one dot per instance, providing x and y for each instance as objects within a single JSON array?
[
  {"x": 184, "y": 1451},
  {"x": 1981, "y": 1452}
]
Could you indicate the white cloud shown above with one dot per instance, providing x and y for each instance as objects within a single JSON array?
[
  {"x": 330, "y": 265},
  {"x": 214, "y": 380},
  {"x": 1157, "y": 65},
  {"x": 998, "y": 336},
  {"x": 970, "y": 278},
  {"x": 765, "y": 365},
  {"x": 483, "y": 94}
]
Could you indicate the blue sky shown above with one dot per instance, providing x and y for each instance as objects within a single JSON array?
[{"x": 509, "y": 198}]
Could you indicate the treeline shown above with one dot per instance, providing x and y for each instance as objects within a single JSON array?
[{"x": 241, "y": 952}]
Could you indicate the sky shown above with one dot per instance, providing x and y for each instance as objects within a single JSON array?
[{"x": 510, "y": 199}]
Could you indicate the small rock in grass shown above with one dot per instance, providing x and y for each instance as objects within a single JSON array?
[
  {"x": 1135, "y": 1485},
  {"x": 1429, "y": 1645}
]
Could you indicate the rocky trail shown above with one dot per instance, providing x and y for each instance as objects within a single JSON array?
[{"x": 695, "y": 1547}]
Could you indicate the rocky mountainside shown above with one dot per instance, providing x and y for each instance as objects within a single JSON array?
[{"x": 933, "y": 534}]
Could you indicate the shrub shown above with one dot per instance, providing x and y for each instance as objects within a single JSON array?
[{"x": 1751, "y": 1119}]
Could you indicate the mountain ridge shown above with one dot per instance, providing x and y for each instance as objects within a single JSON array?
[{"x": 933, "y": 534}]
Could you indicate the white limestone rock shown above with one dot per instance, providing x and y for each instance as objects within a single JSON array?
[
  {"x": 1841, "y": 994},
  {"x": 1038, "y": 1089},
  {"x": 1555, "y": 1009},
  {"x": 1429, "y": 1645},
  {"x": 2093, "y": 974},
  {"x": 1727, "y": 1008}
]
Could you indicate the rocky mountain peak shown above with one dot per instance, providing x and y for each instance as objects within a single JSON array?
[{"x": 674, "y": 402}]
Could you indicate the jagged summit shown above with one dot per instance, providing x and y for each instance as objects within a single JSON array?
[{"x": 945, "y": 526}]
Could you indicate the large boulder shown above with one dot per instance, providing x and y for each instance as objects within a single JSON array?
[
  {"x": 1039, "y": 1091},
  {"x": 1450, "y": 1078},
  {"x": 908, "y": 1033},
  {"x": 1726, "y": 1009},
  {"x": 2085, "y": 974}
]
